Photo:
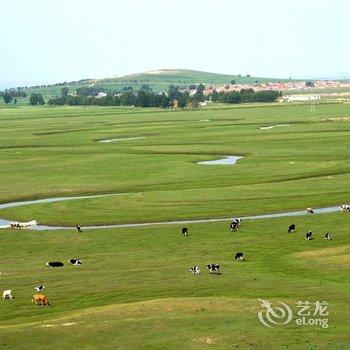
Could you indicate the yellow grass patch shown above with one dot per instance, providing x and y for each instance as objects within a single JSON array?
[{"x": 333, "y": 257}]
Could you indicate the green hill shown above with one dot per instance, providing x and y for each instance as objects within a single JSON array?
[
  {"x": 186, "y": 76},
  {"x": 158, "y": 80}
]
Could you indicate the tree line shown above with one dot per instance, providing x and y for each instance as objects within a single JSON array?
[
  {"x": 145, "y": 97},
  {"x": 244, "y": 96},
  {"x": 10, "y": 95}
]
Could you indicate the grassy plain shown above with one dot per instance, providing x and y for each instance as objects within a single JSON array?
[{"x": 134, "y": 290}]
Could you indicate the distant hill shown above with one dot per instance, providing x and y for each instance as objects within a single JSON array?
[
  {"x": 187, "y": 76},
  {"x": 158, "y": 80}
]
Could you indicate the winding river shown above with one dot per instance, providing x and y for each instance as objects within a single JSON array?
[{"x": 5, "y": 222}]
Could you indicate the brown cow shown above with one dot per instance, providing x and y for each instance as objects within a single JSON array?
[{"x": 40, "y": 299}]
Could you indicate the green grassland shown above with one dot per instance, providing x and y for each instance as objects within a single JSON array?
[{"x": 134, "y": 290}]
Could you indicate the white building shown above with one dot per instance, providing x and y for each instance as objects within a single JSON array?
[{"x": 300, "y": 98}]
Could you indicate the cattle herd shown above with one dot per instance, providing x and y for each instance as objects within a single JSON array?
[
  {"x": 41, "y": 299},
  {"x": 237, "y": 223},
  {"x": 215, "y": 268}
]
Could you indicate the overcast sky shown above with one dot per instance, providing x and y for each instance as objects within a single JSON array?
[{"x": 57, "y": 40}]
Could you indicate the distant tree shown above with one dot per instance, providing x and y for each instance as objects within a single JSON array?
[
  {"x": 199, "y": 95},
  {"x": 200, "y": 89},
  {"x": 248, "y": 75},
  {"x": 7, "y": 97},
  {"x": 36, "y": 99},
  {"x": 173, "y": 92},
  {"x": 227, "y": 87},
  {"x": 309, "y": 83},
  {"x": 214, "y": 96},
  {"x": 145, "y": 87},
  {"x": 192, "y": 87},
  {"x": 15, "y": 101},
  {"x": 64, "y": 92},
  {"x": 233, "y": 82}
]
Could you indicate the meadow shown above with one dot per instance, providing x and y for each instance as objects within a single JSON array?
[{"x": 134, "y": 290}]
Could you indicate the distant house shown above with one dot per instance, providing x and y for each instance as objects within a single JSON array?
[{"x": 101, "y": 94}]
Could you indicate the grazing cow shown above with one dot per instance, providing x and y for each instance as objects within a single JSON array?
[
  {"x": 235, "y": 224},
  {"x": 308, "y": 236},
  {"x": 54, "y": 264},
  {"x": 75, "y": 262},
  {"x": 39, "y": 288},
  {"x": 7, "y": 294},
  {"x": 195, "y": 270},
  {"x": 345, "y": 208},
  {"x": 310, "y": 211},
  {"x": 213, "y": 268},
  {"x": 14, "y": 225},
  {"x": 291, "y": 228},
  {"x": 184, "y": 231},
  {"x": 78, "y": 227},
  {"x": 328, "y": 236},
  {"x": 40, "y": 299},
  {"x": 239, "y": 257}
]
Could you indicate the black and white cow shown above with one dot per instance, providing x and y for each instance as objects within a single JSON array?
[
  {"x": 328, "y": 236},
  {"x": 184, "y": 231},
  {"x": 54, "y": 264},
  {"x": 213, "y": 268},
  {"x": 310, "y": 211},
  {"x": 195, "y": 270},
  {"x": 78, "y": 227},
  {"x": 291, "y": 228},
  {"x": 235, "y": 224},
  {"x": 239, "y": 257},
  {"x": 39, "y": 288},
  {"x": 308, "y": 236},
  {"x": 345, "y": 208},
  {"x": 75, "y": 262}
]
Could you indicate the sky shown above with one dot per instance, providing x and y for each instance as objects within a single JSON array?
[{"x": 48, "y": 41}]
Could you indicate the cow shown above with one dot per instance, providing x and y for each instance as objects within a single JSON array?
[
  {"x": 78, "y": 227},
  {"x": 40, "y": 299},
  {"x": 345, "y": 208},
  {"x": 39, "y": 288},
  {"x": 213, "y": 268},
  {"x": 184, "y": 231},
  {"x": 54, "y": 264},
  {"x": 291, "y": 228},
  {"x": 328, "y": 236},
  {"x": 75, "y": 262},
  {"x": 14, "y": 225},
  {"x": 239, "y": 257},
  {"x": 310, "y": 211},
  {"x": 235, "y": 224},
  {"x": 7, "y": 294},
  {"x": 308, "y": 236},
  {"x": 195, "y": 270}
]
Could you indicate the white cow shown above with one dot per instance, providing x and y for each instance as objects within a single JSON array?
[
  {"x": 345, "y": 208},
  {"x": 310, "y": 211},
  {"x": 7, "y": 294}
]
